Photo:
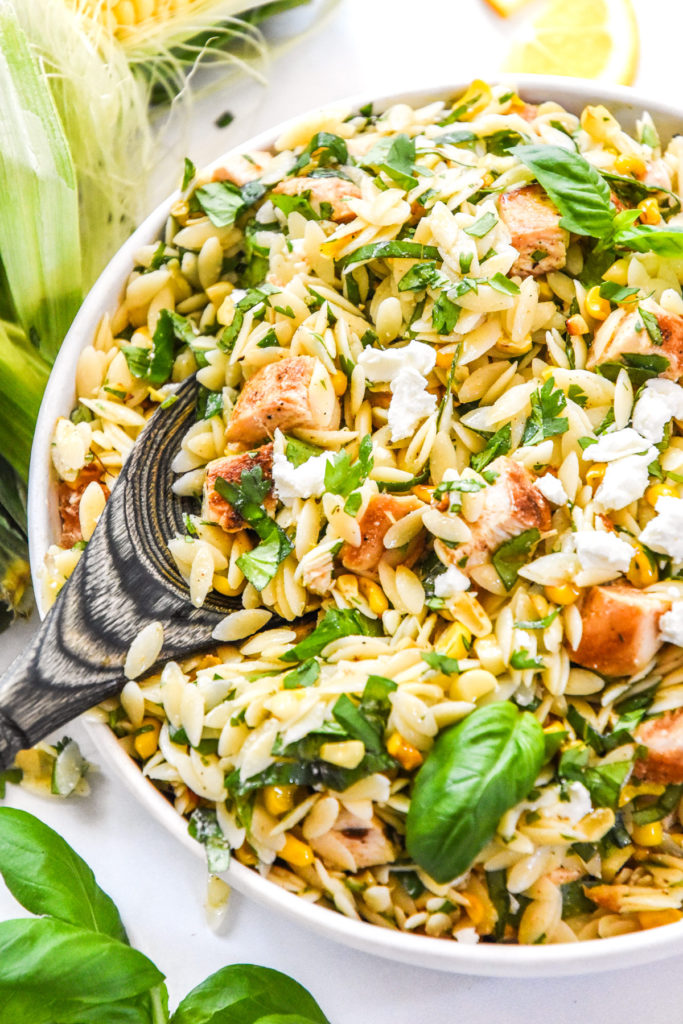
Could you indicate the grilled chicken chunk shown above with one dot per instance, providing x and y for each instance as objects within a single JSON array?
[
  {"x": 334, "y": 191},
  {"x": 354, "y": 843},
  {"x": 619, "y": 335},
  {"x": 512, "y": 504},
  {"x": 663, "y": 738},
  {"x": 239, "y": 169},
  {"x": 292, "y": 393},
  {"x": 620, "y": 629},
  {"x": 216, "y": 509},
  {"x": 383, "y": 510},
  {"x": 534, "y": 224}
]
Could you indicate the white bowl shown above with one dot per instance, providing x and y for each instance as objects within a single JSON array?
[{"x": 483, "y": 959}]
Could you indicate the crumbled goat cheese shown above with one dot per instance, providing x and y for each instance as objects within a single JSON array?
[
  {"x": 664, "y": 533},
  {"x": 469, "y": 936},
  {"x": 551, "y": 488},
  {"x": 671, "y": 625},
  {"x": 619, "y": 444},
  {"x": 625, "y": 481},
  {"x": 598, "y": 549},
  {"x": 304, "y": 481},
  {"x": 450, "y": 583},
  {"x": 571, "y": 802},
  {"x": 660, "y": 401},
  {"x": 410, "y": 403},
  {"x": 384, "y": 365}
]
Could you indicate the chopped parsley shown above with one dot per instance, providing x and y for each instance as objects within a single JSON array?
[{"x": 546, "y": 403}]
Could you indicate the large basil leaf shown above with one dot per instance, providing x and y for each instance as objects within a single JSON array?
[
  {"x": 47, "y": 877},
  {"x": 244, "y": 994},
  {"x": 54, "y": 973},
  {"x": 476, "y": 771},
  {"x": 578, "y": 191},
  {"x": 390, "y": 250},
  {"x": 667, "y": 242}
]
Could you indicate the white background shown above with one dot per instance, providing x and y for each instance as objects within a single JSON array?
[{"x": 358, "y": 46}]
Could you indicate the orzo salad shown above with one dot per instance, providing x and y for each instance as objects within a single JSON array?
[{"x": 438, "y": 459}]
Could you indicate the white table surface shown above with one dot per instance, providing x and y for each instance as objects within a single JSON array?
[{"x": 158, "y": 885}]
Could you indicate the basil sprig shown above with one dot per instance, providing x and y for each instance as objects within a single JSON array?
[
  {"x": 475, "y": 772},
  {"x": 260, "y": 564}
]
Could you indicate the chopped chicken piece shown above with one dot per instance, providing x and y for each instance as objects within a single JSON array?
[
  {"x": 354, "y": 843},
  {"x": 618, "y": 335},
  {"x": 330, "y": 190},
  {"x": 383, "y": 510},
  {"x": 240, "y": 169},
  {"x": 528, "y": 111},
  {"x": 69, "y": 499},
  {"x": 292, "y": 393},
  {"x": 663, "y": 738},
  {"x": 534, "y": 224},
  {"x": 216, "y": 509},
  {"x": 620, "y": 629},
  {"x": 512, "y": 504}
]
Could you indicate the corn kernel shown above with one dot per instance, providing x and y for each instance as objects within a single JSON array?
[
  {"x": 629, "y": 163},
  {"x": 295, "y": 852},
  {"x": 596, "y": 473},
  {"x": 246, "y": 855},
  {"x": 577, "y": 325},
  {"x": 346, "y": 754},
  {"x": 596, "y": 306},
  {"x": 514, "y": 348},
  {"x": 405, "y": 753},
  {"x": 279, "y": 799},
  {"x": 340, "y": 382},
  {"x": 657, "y": 491},
  {"x": 475, "y": 908},
  {"x": 648, "y": 835},
  {"x": 649, "y": 211},
  {"x": 444, "y": 357},
  {"x": 146, "y": 743},
  {"x": 124, "y": 12},
  {"x": 629, "y": 792},
  {"x": 656, "y": 918},
  {"x": 347, "y": 585},
  {"x": 545, "y": 292},
  {"x": 567, "y": 593},
  {"x": 455, "y": 641},
  {"x": 374, "y": 595},
  {"x": 641, "y": 572},
  {"x": 221, "y": 584},
  {"x": 618, "y": 272}
]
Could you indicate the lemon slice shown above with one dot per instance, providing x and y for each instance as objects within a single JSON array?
[
  {"x": 582, "y": 38},
  {"x": 507, "y": 7}
]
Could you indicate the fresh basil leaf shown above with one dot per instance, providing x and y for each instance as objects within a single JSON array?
[
  {"x": 327, "y": 148},
  {"x": 501, "y": 283},
  {"x": 546, "y": 402},
  {"x": 395, "y": 155},
  {"x": 390, "y": 250},
  {"x": 521, "y": 659},
  {"x": 498, "y": 444},
  {"x": 648, "y": 136},
  {"x": 467, "y": 486},
  {"x": 475, "y": 772},
  {"x": 245, "y": 994},
  {"x": 639, "y": 366},
  {"x": 221, "y": 201},
  {"x": 203, "y": 826},
  {"x": 652, "y": 327},
  {"x": 336, "y": 623},
  {"x": 209, "y": 403},
  {"x": 342, "y": 476},
  {"x": 305, "y": 675},
  {"x": 51, "y": 971},
  {"x": 356, "y": 725},
  {"x": 407, "y": 485},
  {"x": 47, "y": 877},
  {"x": 441, "y": 662},
  {"x": 632, "y": 191},
  {"x": 445, "y": 314},
  {"x": 353, "y": 503},
  {"x": 513, "y": 554},
  {"x": 297, "y": 452},
  {"x": 538, "y": 623},
  {"x": 189, "y": 171},
  {"x": 465, "y": 262},
  {"x": 454, "y": 138},
  {"x": 616, "y": 292},
  {"x": 421, "y": 276},
  {"x": 295, "y": 204},
  {"x": 482, "y": 226},
  {"x": 667, "y": 242},
  {"x": 261, "y": 563},
  {"x": 577, "y": 395},
  {"x": 577, "y": 189}
]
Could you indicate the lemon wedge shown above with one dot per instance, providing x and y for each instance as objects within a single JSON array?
[
  {"x": 581, "y": 38},
  {"x": 507, "y": 7}
]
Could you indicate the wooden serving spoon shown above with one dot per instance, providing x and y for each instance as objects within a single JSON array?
[{"x": 125, "y": 579}]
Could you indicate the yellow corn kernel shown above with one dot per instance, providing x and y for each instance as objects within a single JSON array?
[
  {"x": 656, "y": 918},
  {"x": 279, "y": 799},
  {"x": 612, "y": 864},
  {"x": 374, "y": 595},
  {"x": 246, "y": 855},
  {"x": 596, "y": 473},
  {"x": 649, "y": 211},
  {"x": 444, "y": 357},
  {"x": 346, "y": 754},
  {"x": 545, "y": 292},
  {"x": 347, "y": 585},
  {"x": 648, "y": 835},
  {"x": 180, "y": 210},
  {"x": 629, "y": 792},
  {"x": 618, "y": 272},
  {"x": 598, "y": 122},
  {"x": 475, "y": 908},
  {"x": 657, "y": 491},
  {"x": 567, "y": 593},
  {"x": 295, "y": 852},
  {"x": 423, "y": 492},
  {"x": 146, "y": 743},
  {"x": 124, "y": 12},
  {"x": 514, "y": 348},
  {"x": 577, "y": 325},
  {"x": 596, "y": 306},
  {"x": 472, "y": 684},
  {"x": 340, "y": 382},
  {"x": 641, "y": 572},
  {"x": 455, "y": 641},
  {"x": 405, "y": 753},
  {"x": 487, "y": 180},
  {"x": 474, "y": 99},
  {"x": 221, "y": 584},
  {"x": 629, "y": 163}
]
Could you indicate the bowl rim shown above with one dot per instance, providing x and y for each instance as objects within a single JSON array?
[{"x": 477, "y": 959}]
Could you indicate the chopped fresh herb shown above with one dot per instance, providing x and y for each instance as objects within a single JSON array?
[
  {"x": 353, "y": 503},
  {"x": 577, "y": 395},
  {"x": 640, "y": 367},
  {"x": 189, "y": 172},
  {"x": 224, "y": 119},
  {"x": 521, "y": 659},
  {"x": 342, "y": 477},
  {"x": 304, "y": 675},
  {"x": 647, "y": 811},
  {"x": 421, "y": 276},
  {"x": 616, "y": 292},
  {"x": 465, "y": 261},
  {"x": 482, "y": 225},
  {"x": 269, "y": 340},
  {"x": 209, "y": 403},
  {"x": 324, "y": 147},
  {"x": 503, "y": 284},
  {"x": 356, "y": 725},
  {"x": 498, "y": 444},
  {"x": 538, "y": 623},
  {"x": 603, "y": 781},
  {"x": 467, "y": 486},
  {"x": 390, "y": 250},
  {"x": 295, "y": 204},
  {"x": 285, "y": 311},
  {"x": 204, "y": 827},
  {"x": 509, "y": 558},
  {"x": 155, "y": 364},
  {"x": 441, "y": 662},
  {"x": 260, "y": 564},
  {"x": 159, "y": 257},
  {"x": 297, "y": 452},
  {"x": 651, "y": 326},
  {"x": 445, "y": 314},
  {"x": 575, "y": 901},
  {"x": 648, "y": 136},
  {"x": 190, "y": 527},
  {"x": 538, "y": 255},
  {"x": 337, "y": 622},
  {"x": 546, "y": 403},
  {"x": 395, "y": 156}
]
